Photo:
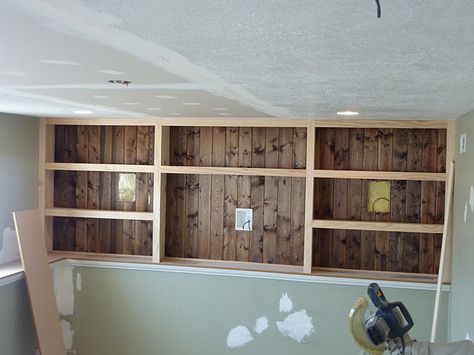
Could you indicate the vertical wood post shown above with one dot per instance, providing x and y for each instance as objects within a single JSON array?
[{"x": 309, "y": 195}]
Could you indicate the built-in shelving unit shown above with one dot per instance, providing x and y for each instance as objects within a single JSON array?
[{"x": 304, "y": 179}]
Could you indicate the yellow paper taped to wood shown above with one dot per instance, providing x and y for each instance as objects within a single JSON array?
[{"x": 379, "y": 197}]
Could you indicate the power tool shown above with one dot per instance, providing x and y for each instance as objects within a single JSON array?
[{"x": 383, "y": 328}]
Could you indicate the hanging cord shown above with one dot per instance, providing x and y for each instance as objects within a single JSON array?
[{"x": 379, "y": 9}]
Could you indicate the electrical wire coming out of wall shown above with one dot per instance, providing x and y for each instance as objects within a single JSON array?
[{"x": 379, "y": 9}]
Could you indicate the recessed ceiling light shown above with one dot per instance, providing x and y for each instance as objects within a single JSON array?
[
  {"x": 83, "y": 112},
  {"x": 154, "y": 109},
  {"x": 190, "y": 103},
  {"x": 347, "y": 113},
  {"x": 101, "y": 97},
  {"x": 220, "y": 109},
  {"x": 131, "y": 103},
  {"x": 223, "y": 114},
  {"x": 165, "y": 97}
]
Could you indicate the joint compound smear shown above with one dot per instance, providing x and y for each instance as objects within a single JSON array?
[
  {"x": 64, "y": 289},
  {"x": 238, "y": 337},
  {"x": 261, "y": 325},
  {"x": 297, "y": 326},
  {"x": 286, "y": 304}
]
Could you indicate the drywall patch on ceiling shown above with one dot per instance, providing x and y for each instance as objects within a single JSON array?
[
  {"x": 298, "y": 326},
  {"x": 64, "y": 289},
  {"x": 17, "y": 74},
  {"x": 58, "y": 62},
  {"x": 238, "y": 337},
  {"x": 9, "y": 247},
  {"x": 72, "y": 18},
  {"x": 110, "y": 72},
  {"x": 21, "y": 102}
]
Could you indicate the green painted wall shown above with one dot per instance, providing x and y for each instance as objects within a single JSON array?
[
  {"x": 149, "y": 312},
  {"x": 17, "y": 334},
  {"x": 462, "y": 301},
  {"x": 18, "y": 166}
]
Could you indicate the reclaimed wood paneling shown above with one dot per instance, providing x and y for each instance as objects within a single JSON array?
[
  {"x": 99, "y": 190},
  {"x": 413, "y": 150},
  {"x": 277, "y": 202}
]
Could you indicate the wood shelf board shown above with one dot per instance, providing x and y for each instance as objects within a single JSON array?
[
  {"x": 100, "y": 214},
  {"x": 375, "y": 275},
  {"x": 379, "y": 175},
  {"x": 125, "y": 168},
  {"x": 54, "y": 256},
  {"x": 204, "y": 170},
  {"x": 237, "y": 265},
  {"x": 379, "y": 226}
]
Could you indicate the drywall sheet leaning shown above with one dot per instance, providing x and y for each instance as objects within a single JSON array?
[{"x": 40, "y": 282}]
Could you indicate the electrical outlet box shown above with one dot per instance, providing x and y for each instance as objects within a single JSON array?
[
  {"x": 462, "y": 143},
  {"x": 243, "y": 219}
]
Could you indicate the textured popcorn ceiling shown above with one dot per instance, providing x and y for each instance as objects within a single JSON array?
[{"x": 304, "y": 58}]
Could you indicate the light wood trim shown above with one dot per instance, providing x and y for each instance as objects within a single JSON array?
[
  {"x": 379, "y": 226},
  {"x": 374, "y": 275},
  {"x": 309, "y": 197},
  {"x": 357, "y": 123},
  {"x": 122, "y": 168},
  {"x": 203, "y": 170},
  {"x": 158, "y": 209},
  {"x": 78, "y": 255},
  {"x": 447, "y": 222},
  {"x": 379, "y": 175},
  {"x": 236, "y": 265},
  {"x": 101, "y": 214},
  {"x": 450, "y": 153},
  {"x": 233, "y": 122},
  {"x": 102, "y": 121},
  {"x": 46, "y": 179}
]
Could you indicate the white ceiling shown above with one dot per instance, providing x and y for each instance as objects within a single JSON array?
[{"x": 239, "y": 58}]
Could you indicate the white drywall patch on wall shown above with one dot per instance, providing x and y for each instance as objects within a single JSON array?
[
  {"x": 297, "y": 326},
  {"x": 471, "y": 198},
  {"x": 261, "y": 325},
  {"x": 286, "y": 304},
  {"x": 238, "y": 337},
  {"x": 68, "y": 334},
  {"x": 79, "y": 282},
  {"x": 9, "y": 251},
  {"x": 465, "y": 212},
  {"x": 64, "y": 289}
]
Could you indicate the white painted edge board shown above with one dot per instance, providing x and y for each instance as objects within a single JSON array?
[{"x": 39, "y": 282}]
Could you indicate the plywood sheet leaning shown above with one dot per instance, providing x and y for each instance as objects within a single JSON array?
[{"x": 40, "y": 282}]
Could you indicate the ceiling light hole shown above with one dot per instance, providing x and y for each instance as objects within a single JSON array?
[
  {"x": 83, "y": 112},
  {"x": 347, "y": 113}
]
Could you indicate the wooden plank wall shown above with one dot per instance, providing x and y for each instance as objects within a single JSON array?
[
  {"x": 201, "y": 208},
  {"x": 411, "y": 201},
  {"x": 99, "y": 190}
]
